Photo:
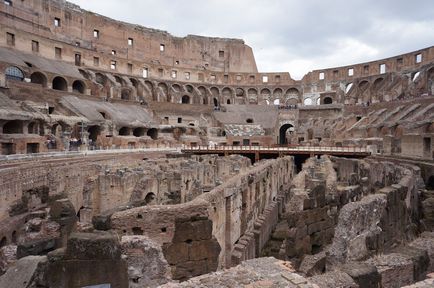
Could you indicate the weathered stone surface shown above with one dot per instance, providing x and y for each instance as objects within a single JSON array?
[
  {"x": 365, "y": 275},
  {"x": 8, "y": 256},
  {"x": 93, "y": 246},
  {"x": 334, "y": 279},
  {"x": 261, "y": 272},
  {"x": 313, "y": 264},
  {"x": 27, "y": 272},
  {"x": 147, "y": 266}
]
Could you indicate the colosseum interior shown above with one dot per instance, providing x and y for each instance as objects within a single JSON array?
[{"x": 133, "y": 158}]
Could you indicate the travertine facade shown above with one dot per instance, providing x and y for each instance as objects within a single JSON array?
[{"x": 93, "y": 113}]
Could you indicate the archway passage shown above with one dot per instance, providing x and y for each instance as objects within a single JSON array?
[
  {"x": 153, "y": 133},
  {"x": 13, "y": 127},
  {"x": 94, "y": 132},
  {"x": 282, "y": 133},
  {"x": 328, "y": 100},
  {"x": 78, "y": 87},
  {"x": 59, "y": 83},
  {"x": 150, "y": 198},
  {"x": 185, "y": 99},
  {"x": 38, "y": 78}
]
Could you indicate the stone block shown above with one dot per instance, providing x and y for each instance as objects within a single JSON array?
[
  {"x": 193, "y": 230},
  {"x": 92, "y": 246}
]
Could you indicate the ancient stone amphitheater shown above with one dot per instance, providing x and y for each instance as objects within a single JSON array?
[{"x": 133, "y": 158}]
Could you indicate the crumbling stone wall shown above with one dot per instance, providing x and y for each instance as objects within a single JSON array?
[{"x": 246, "y": 205}]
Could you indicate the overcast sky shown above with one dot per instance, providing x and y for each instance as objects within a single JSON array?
[{"x": 294, "y": 36}]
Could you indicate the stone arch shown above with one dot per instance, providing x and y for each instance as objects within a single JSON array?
[
  {"x": 13, "y": 127},
  {"x": 39, "y": 78},
  {"x": 94, "y": 131},
  {"x": 308, "y": 101},
  {"x": 124, "y": 131},
  {"x": 215, "y": 92},
  {"x": 176, "y": 88},
  {"x": 189, "y": 88},
  {"x": 85, "y": 74},
  {"x": 252, "y": 95},
  {"x": 153, "y": 133},
  {"x": 163, "y": 93},
  {"x": 100, "y": 78},
  {"x": 265, "y": 96},
  {"x": 119, "y": 80},
  {"x": 139, "y": 131},
  {"x": 284, "y": 128},
  {"x": 150, "y": 198},
  {"x": 14, "y": 73},
  {"x": 377, "y": 84},
  {"x": 32, "y": 128},
  {"x": 328, "y": 100},
  {"x": 185, "y": 99},
  {"x": 59, "y": 83},
  {"x": 149, "y": 92},
  {"x": 239, "y": 92},
  {"x": 126, "y": 94},
  {"x": 227, "y": 94},
  {"x": 203, "y": 94},
  {"x": 78, "y": 86},
  {"x": 278, "y": 93},
  {"x": 134, "y": 82}
]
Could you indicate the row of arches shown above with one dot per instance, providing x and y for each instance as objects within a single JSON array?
[
  {"x": 57, "y": 83},
  {"x": 139, "y": 132},
  {"x": 19, "y": 127}
]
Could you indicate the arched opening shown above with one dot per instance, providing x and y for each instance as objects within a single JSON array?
[
  {"x": 124, "y": 131},
  {"x": 13, "y": 127},
  {"x": 176, "y": 88},
  {"x": 135, "y": 83},
  {"x": 150, "y": 199},
  {"x": 139, "y": 132},
  {"x": 216, "y": 102},
  {"x": 249, "y": 120},
  {"x": 283, "y": 132},
  {"x": 14, "y": 73},
  {"x": 100, "y": 78},
  {"x": 78, "y": 86},
  {"x": 94, "y": 132},
  {"x": 38, "y": 78},
  {"x": 228, "y": 101},
  {"x": 189, "y": 88},
  {"x": 307, "y": 101},
  {"x": 32, "y": 128},
  {"x": 239, "y": 92},
  {"x": 3, "y": 242},
  {"x": 153, "y": 133},
  {"x": 163, "y": 93},
  {"x": 328, "y": 100},
  {"x": 59, "y": 83},
  {"x": 119, "y": 80},
  {"x": 185, "y": 99},
  {"x": 125, "y": 94}
]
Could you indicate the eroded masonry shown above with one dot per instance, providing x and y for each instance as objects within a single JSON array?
[{"x": 133, "y": 158}]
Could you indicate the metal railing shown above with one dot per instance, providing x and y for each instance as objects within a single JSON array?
[{"x": 275, "y": 148}]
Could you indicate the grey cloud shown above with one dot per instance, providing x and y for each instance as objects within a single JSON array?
[{"x": 294, "y": 36}]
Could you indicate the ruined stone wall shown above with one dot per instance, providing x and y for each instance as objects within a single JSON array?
[{"x": 242, "y": 206}]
